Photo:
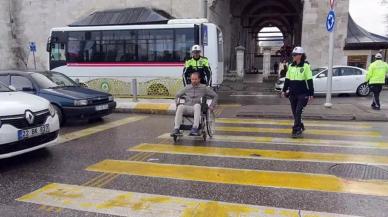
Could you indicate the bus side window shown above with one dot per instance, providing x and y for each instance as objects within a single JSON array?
[{"x": 58, "y": 52}]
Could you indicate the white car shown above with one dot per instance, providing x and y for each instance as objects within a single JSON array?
[
  {"x": 346, "y": 79},
  {"x": 27, "y": 123}
]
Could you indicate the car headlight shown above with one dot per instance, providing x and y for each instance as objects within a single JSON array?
[
  {"x": 111, "y": 98},
  {"x": 51, "y": 110},
  {"x": 280, "y": 82},
  {"x": 81, "y": 102}
]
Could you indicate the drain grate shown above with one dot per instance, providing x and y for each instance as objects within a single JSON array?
[{"x": 359, "y": 171}]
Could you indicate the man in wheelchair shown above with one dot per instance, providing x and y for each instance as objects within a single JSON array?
[{"x": 193, "y": 93}]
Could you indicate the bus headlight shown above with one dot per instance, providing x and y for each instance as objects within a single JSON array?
[
  {"x": 51, "y": 110},
  {"x": 82, "y": 102}
]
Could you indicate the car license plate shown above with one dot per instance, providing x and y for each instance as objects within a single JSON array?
[
  {"x": 102, "y": 107},
  {"x": 33, "y": 132}
]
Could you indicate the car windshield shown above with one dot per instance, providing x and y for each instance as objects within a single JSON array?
[
  {"x": 317, "y": 70},
  {"x": 53, "y": 80},
  {"x": 4, "y": 88}
]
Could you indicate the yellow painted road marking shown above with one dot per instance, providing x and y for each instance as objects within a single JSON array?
[
  {"x": 262, "y": 154},
  {"x": 100, "y": 180},
  {"x": 290, "y": 123},
  {"x": 121, "y": 203},
  {"x": 307, "y": 132},
  {"x": 152, "y": 106},
  {"x": 286, "y": 180},
  {"x": 93, "y": 130},
  {"x": 290, "y": 141}
]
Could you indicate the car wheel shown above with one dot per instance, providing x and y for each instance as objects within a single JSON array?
[
  {"x": 363, "y": 90},
  {"x": 58, "y": 111}
]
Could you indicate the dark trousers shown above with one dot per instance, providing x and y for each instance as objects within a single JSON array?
[
  {"x": 376, "y": 90},
  {"x": 298, "y": 102}
]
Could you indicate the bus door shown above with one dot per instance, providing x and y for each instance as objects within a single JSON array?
[{"x": 56, "y": 46}]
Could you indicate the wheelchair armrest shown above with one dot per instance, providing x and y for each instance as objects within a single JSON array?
[{"x": 181, "y": 100}]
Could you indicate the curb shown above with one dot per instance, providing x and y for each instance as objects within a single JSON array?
[
  {"x": 146, "y": 108},
  {"x": 316, "y": 117}
]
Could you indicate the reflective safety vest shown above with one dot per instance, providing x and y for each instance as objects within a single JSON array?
[
  {"x": 299, "y": 79},
  {"x": 377, "y": 72},
  {"x": 200, "y": 63}
]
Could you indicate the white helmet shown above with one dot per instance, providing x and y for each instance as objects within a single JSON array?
[
  {"x": 298, "y": 50},
  {"x": 379, "y": 56},
  {"x": 196, "y": 48}
]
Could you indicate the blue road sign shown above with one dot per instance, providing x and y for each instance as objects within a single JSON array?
[
  {"x": 32, "y": 47},
  {"x": 330, "y": 21}
]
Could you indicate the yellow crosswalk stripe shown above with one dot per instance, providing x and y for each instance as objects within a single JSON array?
[
  {"x": 290, "y": 141},
  {"x": 307, "y": 132},
  {"x": 262, "y": 154},
  {"x": 100, "y": 128},
  {"x": 122, "y": 203},
  {"x": 290, "y": 123},
  {"x": 285, "y": 180}
]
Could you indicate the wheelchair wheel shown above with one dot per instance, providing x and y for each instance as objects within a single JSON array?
[{"x": 210, "y": 123}]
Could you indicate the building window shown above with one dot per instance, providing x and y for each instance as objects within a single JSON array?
[{"x": 358, "y": 61}]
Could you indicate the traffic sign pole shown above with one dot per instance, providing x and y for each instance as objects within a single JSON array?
[
  {"x": 330, "y": 25},
  {"x": 328, "y": 103}
]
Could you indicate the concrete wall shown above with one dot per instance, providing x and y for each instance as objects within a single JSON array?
[
  {"x": 35, "y": 18},
  {"x": 315, "y": 38},
  {"x": 6, "y": 42},
  {"x": 216, "y": 14}
]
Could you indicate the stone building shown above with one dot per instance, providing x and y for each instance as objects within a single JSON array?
[{"x": 301, "y": 22}]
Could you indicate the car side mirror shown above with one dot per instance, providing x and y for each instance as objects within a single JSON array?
[
  {"x": 12, "y": 88},
  {"x": 322, "y": 76}
]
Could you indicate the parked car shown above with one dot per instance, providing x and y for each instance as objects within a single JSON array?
[
  {"x": 346, "y": 79},
  {"x": 69, "y": 99},
  {"x": 27, "y": 123}
]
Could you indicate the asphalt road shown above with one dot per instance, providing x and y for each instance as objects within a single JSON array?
[{"x": 126, "y": 165}]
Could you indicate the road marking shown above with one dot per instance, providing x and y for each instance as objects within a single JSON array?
[
  {"x": 290, "y": 123},
  {"x": 154, "y": 107},
  {"x": 100, "y": 128},
  {"x": 289, "y": 141},
  {"x": 262, "y": 154},
  {"x": 100, "y": 180},
  {"x": 121, "y": 203},
  {"x": 307, "y": 132},
  {"x": 273, "y": 179}
]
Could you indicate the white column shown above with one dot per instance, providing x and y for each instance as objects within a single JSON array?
[
  {"x": 266, "y": 62},
  {"x": 240, "y": 59}
]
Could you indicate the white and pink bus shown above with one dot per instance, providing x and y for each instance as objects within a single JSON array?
[{"x": 108, "y": 57}]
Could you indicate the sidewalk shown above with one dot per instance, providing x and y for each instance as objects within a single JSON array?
[{"x": 340, "y": 112}]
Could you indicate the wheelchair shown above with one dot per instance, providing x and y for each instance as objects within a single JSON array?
[{"x": 206, "y": 126}]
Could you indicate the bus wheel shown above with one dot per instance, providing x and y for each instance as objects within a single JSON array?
[{"x": 157, "y": 90}]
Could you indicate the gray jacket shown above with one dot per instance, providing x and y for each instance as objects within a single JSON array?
[{"x": 194, "y": 94}]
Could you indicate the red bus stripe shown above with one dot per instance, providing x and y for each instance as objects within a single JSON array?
[{"x": 140, "y": 64}]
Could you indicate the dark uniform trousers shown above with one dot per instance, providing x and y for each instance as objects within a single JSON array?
[
  {"x": 298, "y": 102},
  {"x": 376, "y": 90}
]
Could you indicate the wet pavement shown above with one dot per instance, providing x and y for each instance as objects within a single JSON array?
[{"x": 127, "y": 165}]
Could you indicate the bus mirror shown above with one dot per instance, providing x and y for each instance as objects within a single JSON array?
[{"x": 48, "y": 45}]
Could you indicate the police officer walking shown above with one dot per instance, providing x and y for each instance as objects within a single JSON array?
[
  {"x": 199, "y": 64},
  {"x": 376, "y": 79},
  {"x": 299, "y": 88}
]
